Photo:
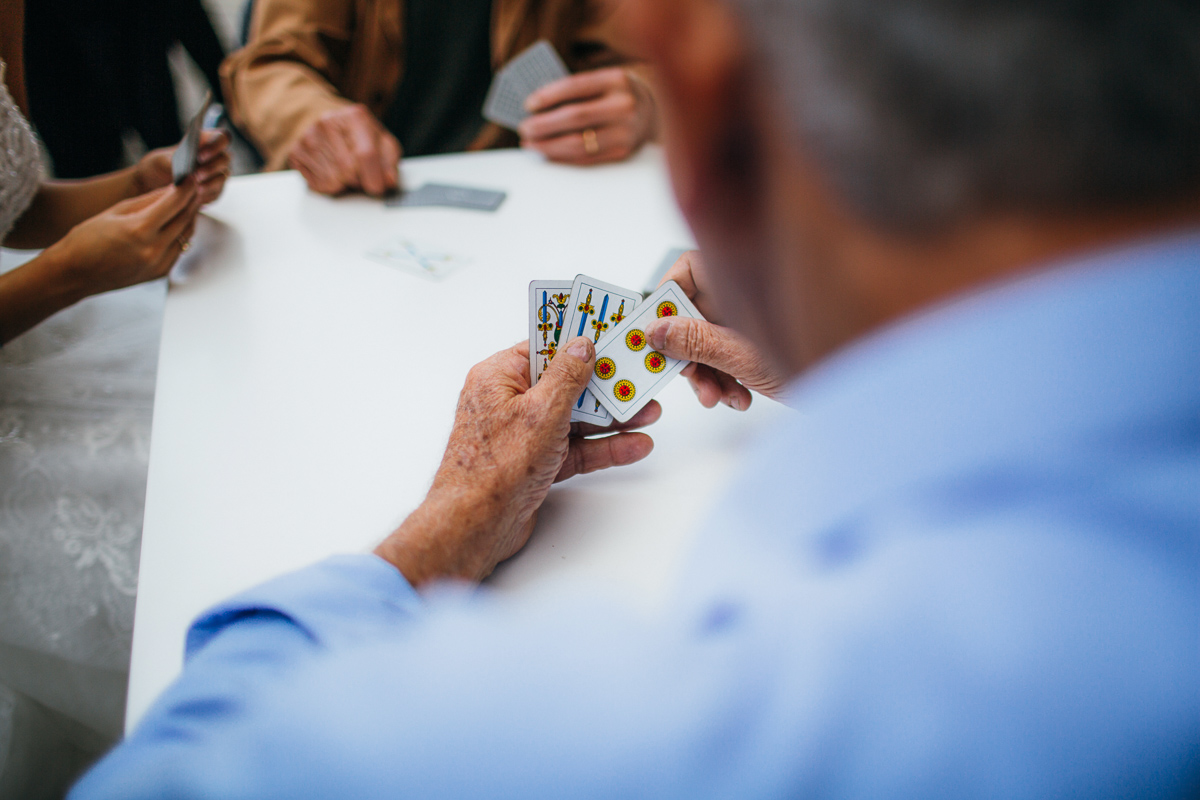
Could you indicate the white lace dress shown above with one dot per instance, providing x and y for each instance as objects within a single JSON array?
[
  {"x": 76, "y": 395},
  {"x": 20, "y": 161}
]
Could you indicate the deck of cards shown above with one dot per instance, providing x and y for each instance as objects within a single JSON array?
[
  {"x": 532, "y": 69},
  {"x": 628, "y": 372}
]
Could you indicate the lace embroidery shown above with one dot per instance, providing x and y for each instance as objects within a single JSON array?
[{"x": 20, "y": 160}]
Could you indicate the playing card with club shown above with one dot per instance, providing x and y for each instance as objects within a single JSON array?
[
  {"x": 443, "y": 194},
  {"x": 596, "y": 307},
  {"x": 629, "y": 373},
  {"x": 548, "y": 303},
  {"x": 183, "y": 162},
  {"x": 530, "y": 70},
  {"x": 549, "y": 306},
  {"x": 420, "y": 259}
]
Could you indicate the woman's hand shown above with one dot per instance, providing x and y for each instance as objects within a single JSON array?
[
  {"x": 590, "y": 118},
  {"x": 134, "y": 241},
  {"x": 212, "y": 167}
]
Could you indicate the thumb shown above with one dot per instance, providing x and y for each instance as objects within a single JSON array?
[
  {"x": 568, "y": 374},
  {"x": 701, "y": 341}
]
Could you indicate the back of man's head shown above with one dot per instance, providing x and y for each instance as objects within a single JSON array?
[
  {"x": 922, "y": 111},
  {"x": 846, "y": 162}
]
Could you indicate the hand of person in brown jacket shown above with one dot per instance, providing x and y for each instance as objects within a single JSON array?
[
  {"x": 347, "y": 149},
  {"x": 590, "y": 118}
]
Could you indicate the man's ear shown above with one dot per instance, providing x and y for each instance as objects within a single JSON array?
[{"x": 704, "y": 79}]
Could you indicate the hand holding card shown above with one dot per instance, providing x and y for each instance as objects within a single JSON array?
[
  {"x": 532, "y": 69},
  {"x": 726, "y": 365}
]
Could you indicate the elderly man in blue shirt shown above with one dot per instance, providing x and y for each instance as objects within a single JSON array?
[{"x": 959, "y": 238}]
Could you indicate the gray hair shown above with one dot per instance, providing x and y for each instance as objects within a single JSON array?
[{"x": 925, "y": 111}]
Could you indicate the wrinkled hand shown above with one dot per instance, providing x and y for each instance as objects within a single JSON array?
[
  {"x": 348, "y": 150},
  {"x": 725, "y": 364},
  {"x": 134, "y": 241},
  {"x": 213, "y": 163},
  {"x": 508, "y": 445},
  {"x": 589, "y": 118}
]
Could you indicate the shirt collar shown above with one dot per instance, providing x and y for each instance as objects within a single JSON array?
[{"x": 1012, "y": 369}]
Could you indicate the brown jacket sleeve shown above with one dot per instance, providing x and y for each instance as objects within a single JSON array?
[{"x": 294, "y": 69}]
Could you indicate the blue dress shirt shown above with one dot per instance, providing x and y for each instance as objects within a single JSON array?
[{"x": 968, "y": 565}]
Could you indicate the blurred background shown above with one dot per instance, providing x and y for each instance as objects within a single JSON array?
[{"x": 110, "y": 79}]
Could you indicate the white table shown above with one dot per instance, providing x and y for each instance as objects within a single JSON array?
[{"x": 305, "y": 393}]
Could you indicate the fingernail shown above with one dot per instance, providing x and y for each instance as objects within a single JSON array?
[
  {"x": 735, "y": 403},
  {"x": 658, "y": 333},
  {"x": 581, "y": 348}
]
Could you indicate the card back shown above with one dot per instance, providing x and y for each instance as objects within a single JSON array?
[
  {"x": 533, "y": 68},
  {"x": 183, "y": 161}
]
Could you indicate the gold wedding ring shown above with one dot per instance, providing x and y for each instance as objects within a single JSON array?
[{"x": 591, "y": 144}]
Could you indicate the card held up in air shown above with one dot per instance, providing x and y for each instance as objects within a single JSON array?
[
  {"x": 595, "y": 308},
  {"x": 548, "y": 303},
  {"x": 530, "y": 70},
  {"x": 183, "y": 160},
  {"x": 549, "y": 307},
  {"x": 628, "y": 372}
]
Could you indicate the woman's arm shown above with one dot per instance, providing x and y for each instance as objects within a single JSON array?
[
  {"x": 134, "y": 241},
  {"x": 61, "y": 205},
  {"x": 31, "y": 293}
]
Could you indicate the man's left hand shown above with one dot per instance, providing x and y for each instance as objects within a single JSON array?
[
  {"x": 509, "y": 443},
  {"x": 590, "y": 118}
]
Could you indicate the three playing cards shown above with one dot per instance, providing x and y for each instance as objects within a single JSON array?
[{"x": 628, "y": 373}]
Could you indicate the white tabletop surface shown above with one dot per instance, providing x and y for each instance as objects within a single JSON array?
[{"x": 305, "y": 392}]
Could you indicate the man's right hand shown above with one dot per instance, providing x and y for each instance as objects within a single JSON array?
[
  {"x": 725, "y": 365},
  {"x": 509, "y": 443},
  {"x": 348, "y": 150}
]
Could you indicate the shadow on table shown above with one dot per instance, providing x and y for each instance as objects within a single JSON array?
[{"x": 214, "y": 243}]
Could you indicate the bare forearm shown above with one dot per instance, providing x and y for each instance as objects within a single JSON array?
[
  {"x": 61, "y": 205},
  {"x": 441, "y": 539},
  {"x": 35, "y": 291}
]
